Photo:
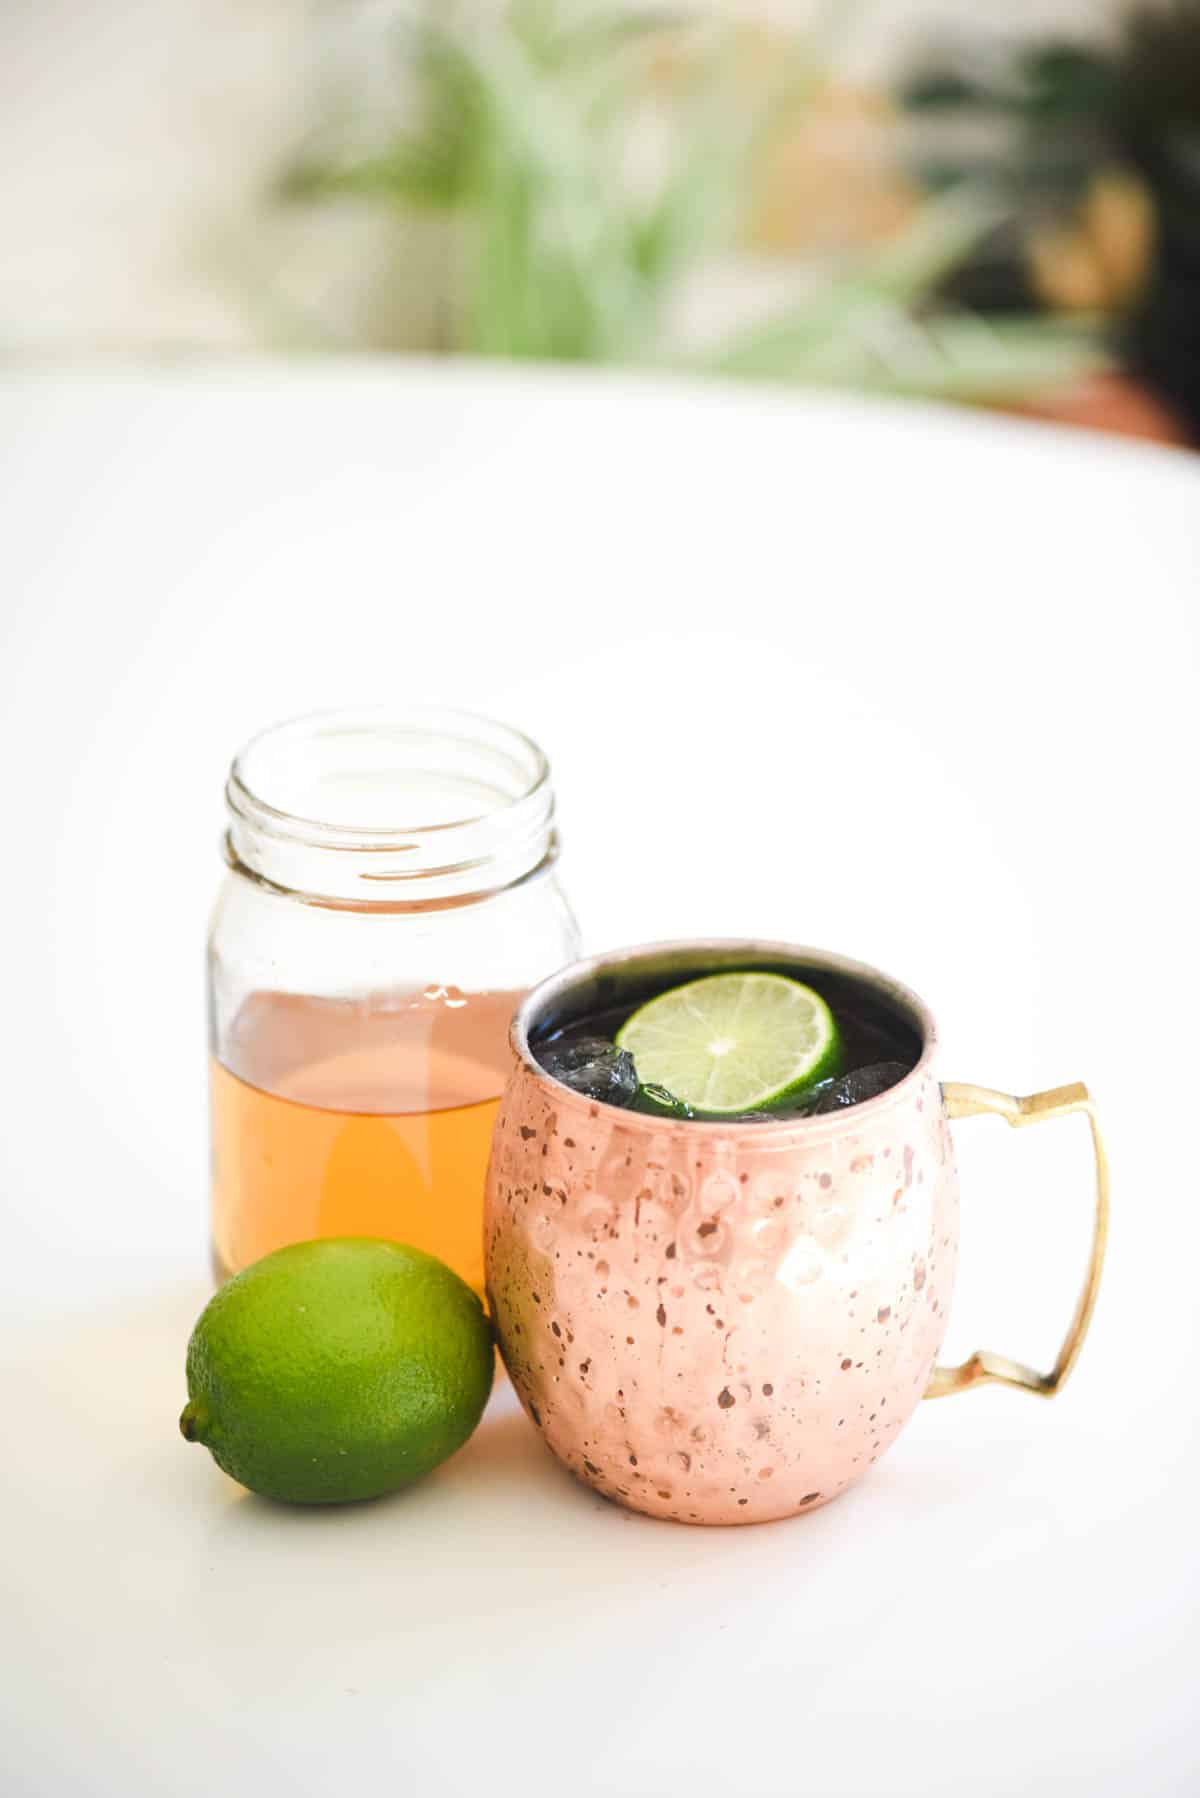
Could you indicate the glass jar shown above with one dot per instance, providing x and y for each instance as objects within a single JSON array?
[{"x": 391, "y": 897}]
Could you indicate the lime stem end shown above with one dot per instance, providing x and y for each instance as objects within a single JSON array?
[{"x": 192, "y": 1420}]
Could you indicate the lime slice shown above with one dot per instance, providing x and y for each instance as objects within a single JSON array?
[{"x": 732, "y": 1042}]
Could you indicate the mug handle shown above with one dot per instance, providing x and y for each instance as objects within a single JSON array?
[{"x": 1060, "y": 1101}]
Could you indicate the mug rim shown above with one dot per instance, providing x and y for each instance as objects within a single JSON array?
[{"x": 575, "y": 973}]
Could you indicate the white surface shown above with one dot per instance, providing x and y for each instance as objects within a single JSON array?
[{"x": 914, "y": 685}]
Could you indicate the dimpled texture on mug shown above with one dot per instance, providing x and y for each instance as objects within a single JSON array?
[{"x": 719, "y": 1330}]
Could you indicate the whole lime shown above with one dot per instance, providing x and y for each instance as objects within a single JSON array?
[{"x": 337, "y": 1370}]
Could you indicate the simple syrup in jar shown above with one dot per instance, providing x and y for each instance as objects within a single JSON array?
[{"x": 391, "y": 896}]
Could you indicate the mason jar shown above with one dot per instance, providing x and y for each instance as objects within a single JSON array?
[{"x": 391, "y": 895}]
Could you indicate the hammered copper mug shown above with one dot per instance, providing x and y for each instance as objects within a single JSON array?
[{"x": 729, "y": 1322}]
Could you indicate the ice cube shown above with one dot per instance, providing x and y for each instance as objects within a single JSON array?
[
  {"x": 853, "y": 1088},
  {"x": 593, "y": 1066},
  {"x": 657, "y": 1102}
]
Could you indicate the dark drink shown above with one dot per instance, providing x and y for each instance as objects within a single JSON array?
[{"x": 872, "y": 1046}]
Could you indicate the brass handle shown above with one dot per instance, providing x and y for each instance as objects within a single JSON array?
[{"x": 975, "y": 1101}]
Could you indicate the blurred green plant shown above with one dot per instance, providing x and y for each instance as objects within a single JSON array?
[
  {"x": 1096, "y": 148},
  {"x": 528, "y": 131}
]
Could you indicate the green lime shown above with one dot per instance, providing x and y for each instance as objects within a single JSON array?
[
  {"x": 337, "y": 1370},
  {"x": 733, "y": 1042}
]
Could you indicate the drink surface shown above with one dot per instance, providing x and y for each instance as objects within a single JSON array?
[
  {"x": 335, "y": 1117},
  {"x": 875, "y": 1038}
]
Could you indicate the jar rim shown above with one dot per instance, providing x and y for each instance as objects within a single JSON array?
[
  {"x": 463, "y": 727},
  {"x": 317, "y": 803}
]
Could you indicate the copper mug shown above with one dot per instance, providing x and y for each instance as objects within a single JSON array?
[{"x": 728, "y": 1323}]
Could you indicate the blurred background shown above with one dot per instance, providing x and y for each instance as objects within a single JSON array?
[{"x": 997, "y": 206}]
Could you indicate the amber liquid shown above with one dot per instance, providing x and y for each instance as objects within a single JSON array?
[{"x": 337, "y": 1118}]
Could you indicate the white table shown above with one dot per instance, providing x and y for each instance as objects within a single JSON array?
[{"x": 767, "y": 640}]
